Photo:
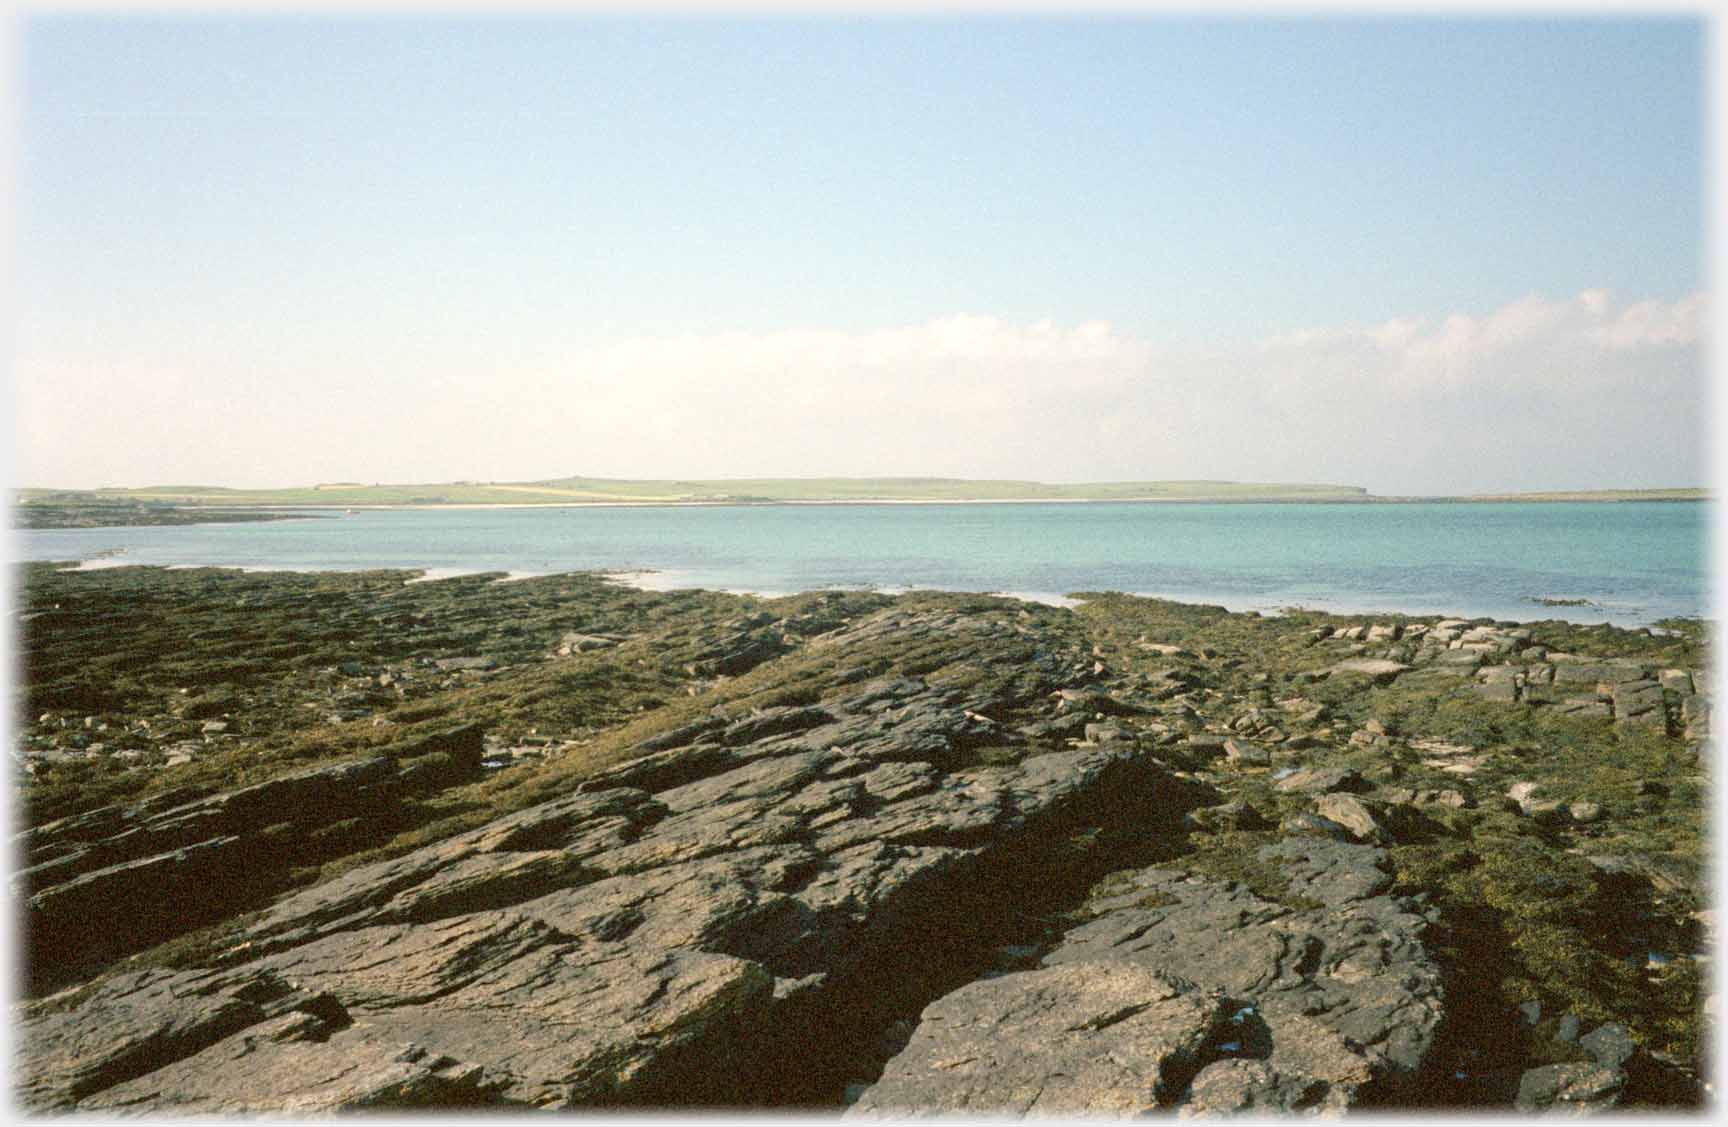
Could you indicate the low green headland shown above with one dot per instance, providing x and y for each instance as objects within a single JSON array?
[
  {"x": 104, "y": 513},
  {"x": 482, "y": 816},
  {"x": 188, "y": 504},
  {"x": 1601, "y": 495},
  {"x": 577, "y": 490}
]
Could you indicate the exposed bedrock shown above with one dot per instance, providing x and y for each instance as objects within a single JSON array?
[
  {"x": 113, "y": 880},
  {"x": 1190, "y": 993},
  {"x": 925, "y": 856},
  {"x": 741, "y": 937}
]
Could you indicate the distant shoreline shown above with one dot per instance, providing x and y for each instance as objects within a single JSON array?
[
  {"x": 663, "y": 579},
  {"x": 65, "y": 509},
  {"x": 30, "y": 516},
  {"x": 1492, "y": 499},
  {"x": 595, "y": 492}
]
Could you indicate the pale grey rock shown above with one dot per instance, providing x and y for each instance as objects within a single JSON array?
[
  {"x": 1524, "y": 794},
  {"x": 1106, "y": 1039},
  {"x": 1668, "y": 872},
  {"x": 1611, "y": 1045},
  {"x": 1379, "y": 671},
  {"x": 1695, "y": 717},
  {"x": 1243, "y": 753},
  {"x": 1331, "y": 1003},
  {"x": 1205, "y": 746},
  {"x": 353, "y": 1070},
  {"x": 465, "y": 664},
  {"x": 1239, "y": 1086},
  {"x": 1228, "y": 816},
  {"x": 574, "y": 641},
  {"x": 737, "y": 653},
  {"x": 1677, "y": 681},
  {"x": 1351, "y": 813},
  {"x": 1321, "y": 780},
  {"x": 1306, "y": 822},
  {"x": 1503, "y": 690},
  {"x": 616, "y": 946},
  {"x": 1572, "y": 669},
  {"x": 1582, "y": 706},
  {"x": 1640, "y": 703},
  {"x": 138, "y": 1021},
  {"x": 120, "y": 878},
  {"x": 769, "y": 722},
  {"x": 1577, "y": 1088}
]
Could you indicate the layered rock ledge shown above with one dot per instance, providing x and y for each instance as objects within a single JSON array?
[
  {"x": 310, "y": 844},
  {"x": 721, "y": 941},
  {"x": 1188, "y": 993}
]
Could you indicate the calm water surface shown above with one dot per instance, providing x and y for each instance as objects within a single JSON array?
[{"x": 1634, "y": 562}]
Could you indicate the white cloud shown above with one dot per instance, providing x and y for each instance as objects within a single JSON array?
[
  {"x": 1653, "y": 323},
  {"x": 1539, "y": 393}
]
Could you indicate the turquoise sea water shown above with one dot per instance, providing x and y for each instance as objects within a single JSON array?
[{"x": 1635, "y": 562}]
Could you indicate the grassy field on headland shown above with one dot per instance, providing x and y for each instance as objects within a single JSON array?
[
  {"x": 578, "y": 490},
  {"x": 584, "y": 490}
]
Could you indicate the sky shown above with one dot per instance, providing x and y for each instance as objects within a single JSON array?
[{"x": 1420, "y": 256}]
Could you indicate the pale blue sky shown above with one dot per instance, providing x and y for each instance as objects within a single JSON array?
[{"x": 440, "y": 204}]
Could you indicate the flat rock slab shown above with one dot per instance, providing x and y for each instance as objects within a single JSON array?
[
  {"x": 1322, "y": 1006},
  {"x": 618, "y": 946},
  {"x": 1322, "y": 780},
  {"x": 124, "y": 877},
  {"x": 1574, "y": 671},
  {"x": 1243, "y": 753},
  {"x": 1351, "y": 813},
  {"x": 142, "y": 1020},
  {"x": 1379, "y": 671},
  {"x": 1576, "y": 1088},
  {"x": 351, "y": 1071},
  {"x": 1093, "y": 1039},
  {"x": 1639, "y": 702}
]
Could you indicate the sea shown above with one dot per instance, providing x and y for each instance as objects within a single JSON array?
[{"x": 1628, "y": 563}]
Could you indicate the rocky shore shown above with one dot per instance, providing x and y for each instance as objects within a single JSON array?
[
  {"x": 117, "y": 514},
  {"x": 301, "y": 843}
]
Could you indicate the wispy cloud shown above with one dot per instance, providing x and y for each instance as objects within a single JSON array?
[{"x": 1539, "y": 393}]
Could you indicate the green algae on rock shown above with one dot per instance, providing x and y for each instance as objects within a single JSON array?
[{"x": 759, "y": 838}]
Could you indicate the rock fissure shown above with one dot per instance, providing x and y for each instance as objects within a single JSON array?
[{"x": 926, "y": 853}]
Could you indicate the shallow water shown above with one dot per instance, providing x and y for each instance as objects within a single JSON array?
[{"x": 1635, "y": 562}]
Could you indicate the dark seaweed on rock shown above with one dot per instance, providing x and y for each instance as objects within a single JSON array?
[{"x": 302, "y": 843}]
